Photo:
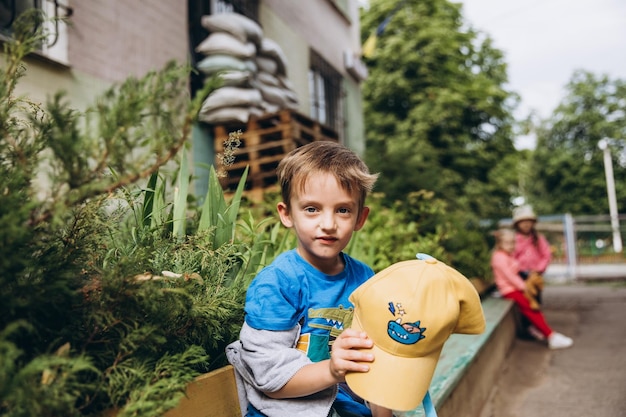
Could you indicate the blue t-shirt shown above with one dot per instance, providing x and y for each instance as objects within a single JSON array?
[{"x": 291, "y": 291}]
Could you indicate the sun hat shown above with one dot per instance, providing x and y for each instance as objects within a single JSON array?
[
  {"x": 523, "y": 213},
  {"x": 409, "y": 310}
]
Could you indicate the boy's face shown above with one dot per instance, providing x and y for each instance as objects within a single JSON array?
[{"x": 324, "y": 216}]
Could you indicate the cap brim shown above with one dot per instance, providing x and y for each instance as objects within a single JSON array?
[{"x": 394, "y": 382}]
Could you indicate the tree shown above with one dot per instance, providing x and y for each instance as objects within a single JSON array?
[
  {"x": 437, "y": 115},
  {"x": 567, "y": 165}
]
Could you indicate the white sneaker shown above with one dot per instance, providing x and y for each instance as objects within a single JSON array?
[
  {"x": 559, "y": 341},
  {"x": 535, "y": 333}
]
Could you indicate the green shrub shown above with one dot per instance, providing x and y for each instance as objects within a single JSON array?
[{"x": 112, "y": 294}]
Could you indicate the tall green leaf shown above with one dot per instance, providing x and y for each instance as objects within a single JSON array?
[
  {"x": 216, "y": 214},
  {"x": 180, "y": 198},
  {"x": 148, "y": 200}
]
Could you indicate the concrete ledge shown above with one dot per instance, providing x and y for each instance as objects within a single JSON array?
[
  {"x": 559, "y": 273},
  {"x": 469, "y": 364},
  {"x": 460, "y": 387}
]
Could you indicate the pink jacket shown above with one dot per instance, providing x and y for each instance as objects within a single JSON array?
[
  {"x": 531, "y": 257},
  {"x": 505, "y": 269}
]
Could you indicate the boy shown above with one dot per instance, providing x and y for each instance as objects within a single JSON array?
[{"x": 293, "y": 354}]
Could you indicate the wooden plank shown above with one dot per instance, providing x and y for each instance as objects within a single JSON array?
[
  {"x": 262, "y": 146},
  {"x": 210, "y": 395},
  {"x": 221, "y": 135},
  {"x": 265, "y": 141}
]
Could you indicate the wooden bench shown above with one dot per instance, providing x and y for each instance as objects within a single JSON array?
[{"x": 460, "y": 386}]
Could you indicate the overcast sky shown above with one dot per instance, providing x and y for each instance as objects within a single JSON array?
[{"x": 544, "y": 41}]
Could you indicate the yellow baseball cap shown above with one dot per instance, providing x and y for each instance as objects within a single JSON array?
[{"x": 409, "y": 310}]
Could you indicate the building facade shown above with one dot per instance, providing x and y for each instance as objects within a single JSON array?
[{"x": 100, "y": 43}]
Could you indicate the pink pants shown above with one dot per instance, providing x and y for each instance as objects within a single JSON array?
[{"x": 534, "y": 316}]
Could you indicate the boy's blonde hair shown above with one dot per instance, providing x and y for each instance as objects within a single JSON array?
[{"x": 324, "y": 157}]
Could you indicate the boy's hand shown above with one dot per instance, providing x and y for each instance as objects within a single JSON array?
[{"x": 345, "y": 357}]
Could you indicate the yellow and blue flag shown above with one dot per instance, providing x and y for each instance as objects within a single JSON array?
[{"x": 370, "y": 43}]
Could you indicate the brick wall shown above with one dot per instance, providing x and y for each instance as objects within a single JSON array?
[{"x": 113, "y": 39}]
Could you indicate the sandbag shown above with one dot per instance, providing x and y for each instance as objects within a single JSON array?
[
  {"x": 268, "y": 79},
  {"x": 270, "y": 49},
  {"x": 235, "y": 78},
  {"x": 290, "y": 96},
  {"x": 266, "y": 64},
  {"x": 285, "y": 82},
  {"x": 226, "y": 44},
  {"x": 226, "y": 115},
  {"x": 269, "y": 107},
  {"x": 219, "y": 62},
  {"x": 273, "y": 95},
  {"x": 240, "y": 26},
  {"x": 231, "y": 97}
]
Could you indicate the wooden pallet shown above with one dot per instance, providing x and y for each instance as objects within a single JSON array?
[{"x": 264, "y": 142}]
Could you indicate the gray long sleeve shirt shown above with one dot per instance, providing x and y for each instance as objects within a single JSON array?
[{"x": 265, "y": 361}]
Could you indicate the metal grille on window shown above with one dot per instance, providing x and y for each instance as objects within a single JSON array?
[
  {"x": 56, "y": 14},
  {"x": 325, "y": 94},
  {"x": 248, "y": 8},
  {"x": 10, "y": 10}
]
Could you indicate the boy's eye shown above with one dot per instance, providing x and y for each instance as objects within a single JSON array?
[
  {"x": 343, "y": 210},
  {"x": 310, "y": 209}
]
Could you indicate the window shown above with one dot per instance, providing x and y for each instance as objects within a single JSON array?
[
  {"x": 325, "y": 94},
  {"x": 55, "y": 47},
  {"x": 248, "y": 8}
]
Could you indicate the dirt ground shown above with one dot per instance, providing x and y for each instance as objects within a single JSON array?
[{"x": 586, "y": 380}]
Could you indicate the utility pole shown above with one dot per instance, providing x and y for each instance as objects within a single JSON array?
[{"x": 603, "y": 144}]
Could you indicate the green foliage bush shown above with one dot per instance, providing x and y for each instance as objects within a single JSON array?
[
  {"x": 113, "y": 295},
  {"x": 398, "y": 230},
  {"x": 390, "y": 235}
]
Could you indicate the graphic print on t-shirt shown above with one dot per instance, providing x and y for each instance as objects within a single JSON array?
[{"x": 325, "y": 324}]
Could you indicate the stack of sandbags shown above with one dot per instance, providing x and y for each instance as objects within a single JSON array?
[
  {"x": 271, "y": 79},
  {"x": 253, "y": 70}
]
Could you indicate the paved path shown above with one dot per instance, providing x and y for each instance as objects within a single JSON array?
[
  {"x": 586, "y": 380},
  {"x": 585, "y": 272}
]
